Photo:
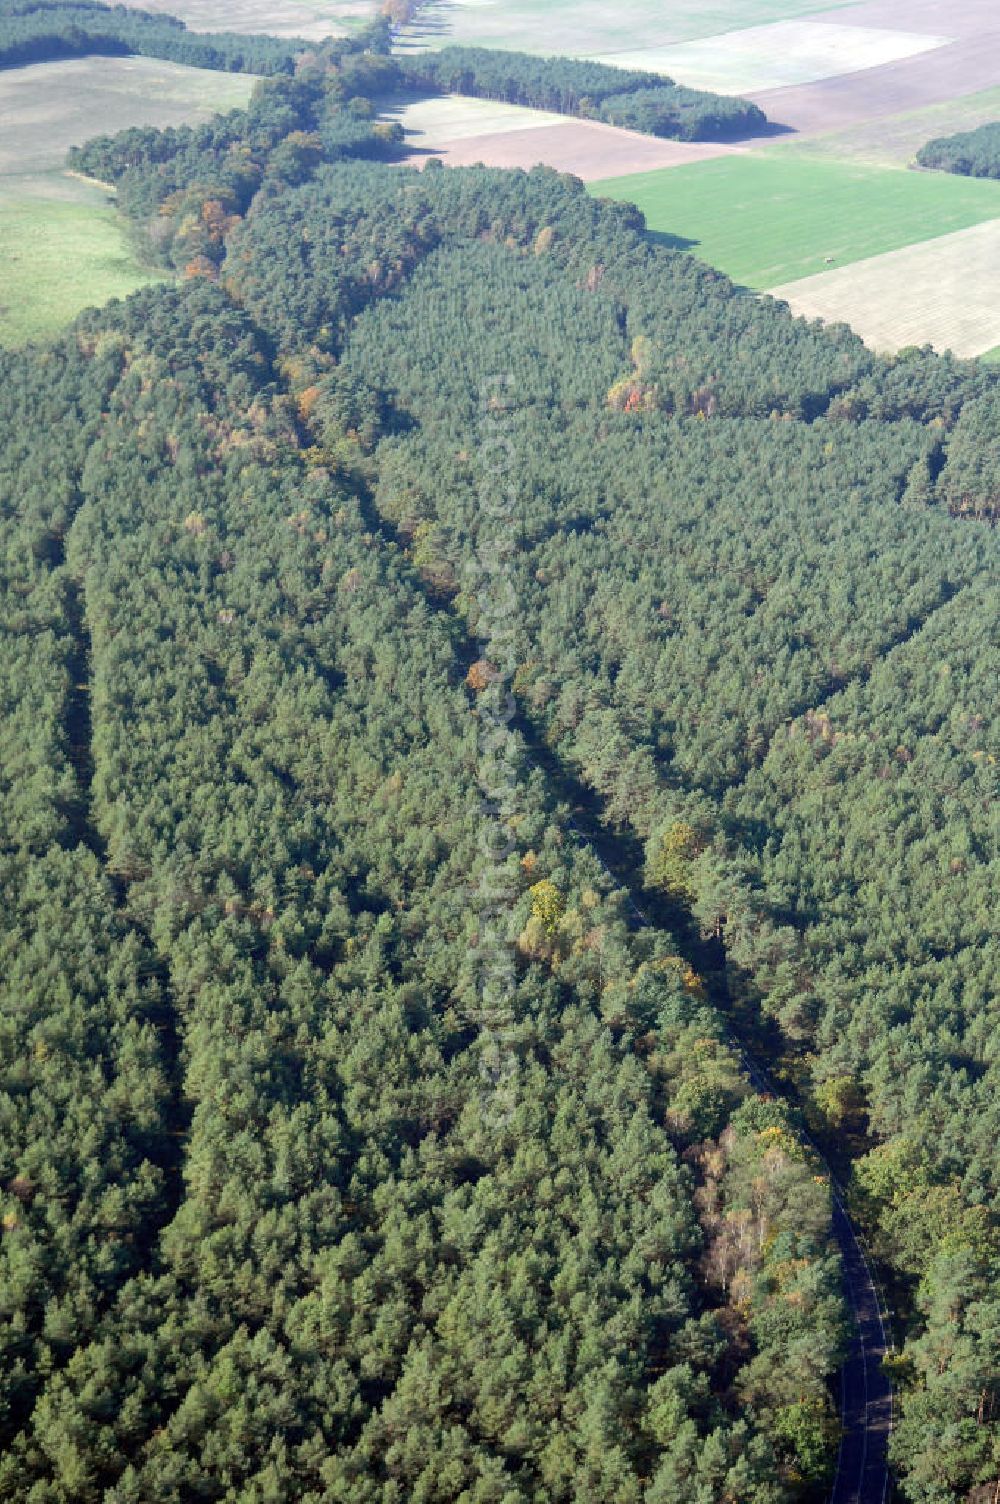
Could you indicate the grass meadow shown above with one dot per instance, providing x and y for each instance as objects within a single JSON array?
[
  {"x": 62, "y": 246},
  {"x": 767, "y": 218},
  {"x": 61, "y": 250}
]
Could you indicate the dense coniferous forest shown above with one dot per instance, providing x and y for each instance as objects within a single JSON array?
[
  {"x": 290, "y": 1207},
  {"x": 974, "y": 154}
]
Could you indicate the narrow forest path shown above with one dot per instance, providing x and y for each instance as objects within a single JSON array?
[
  {"x": 862, "y": 1475},
  {"x": 83, "y": 829},
  {"x": 866, "y": 1399}
]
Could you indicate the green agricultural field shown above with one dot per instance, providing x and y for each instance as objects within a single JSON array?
[
  {"x": 585, "y": 28},
  {"x": 61, "y": 249},
  {"x": 62, "y": 246},
  {"x": 770, "y": 217}
]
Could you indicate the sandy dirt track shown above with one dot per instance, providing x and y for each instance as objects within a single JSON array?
[
  {"x": 944, "y": 292},
  {"x": 582, "y": 147}
]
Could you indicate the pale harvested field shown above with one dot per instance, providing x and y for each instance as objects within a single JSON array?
[
  {"x": 895, "y": 140},
  {"x": 969, "y": 18},
  {"x": 943, "y": 292},
  {"x": 454, "y": 117},
  {"x": 311, "y": 19},
  {"x": 49, "y": 107},
  {"x": 965, "y": 67},
  {"x": 587, "y": 28},
  {"x": 778, "y": 56},
  {"x": 588, "y": 150}
]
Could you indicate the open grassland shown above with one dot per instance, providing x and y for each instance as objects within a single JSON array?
[
  {"x": 945, "y": 292},
  {"x": 778, "y": 56},
  {"x": 895, "y": 140},
  {"x": 61, "y": 249},
  {"x": 312, "y": 19},
  {"x": 49, "y": 107},
  {"x": 767, "y": 218},
  {"x": 591, "y": 28},
  {"x": 62, "y": 246}
]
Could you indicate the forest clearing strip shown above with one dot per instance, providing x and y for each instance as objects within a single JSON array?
[
  {"x": 82, "y": 830},
  {"x": 944, "y": 292},
  {"x": 864, "y": 1432},
  {"x": 860, "y": 677}
]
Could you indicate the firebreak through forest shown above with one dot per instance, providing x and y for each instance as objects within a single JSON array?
[{"x": 262, "y": 1236}]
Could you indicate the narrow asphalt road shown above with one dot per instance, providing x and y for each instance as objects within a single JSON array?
[
  {"x": 866, "y": 1395},
  {"x": 862, "y": 1475}
]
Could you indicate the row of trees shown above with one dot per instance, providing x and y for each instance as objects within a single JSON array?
[
  {"x": 38, "y": 31},
  {"x": 974, "y": 154},
  {"x": 648, "y": 102}
]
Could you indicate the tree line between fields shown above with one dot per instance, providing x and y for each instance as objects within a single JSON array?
[
  {"x": 33, "y": 31},
  {"x": 974, "y": 154},
  {"x": 285, "y": 1213}
]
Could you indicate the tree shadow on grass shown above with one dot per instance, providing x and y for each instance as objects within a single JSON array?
[{"x": 672, "y": 242}]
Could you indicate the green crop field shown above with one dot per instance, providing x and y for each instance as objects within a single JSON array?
[
  {"x": 769, "y": 217},
  {"x": 61, "y": 249}
]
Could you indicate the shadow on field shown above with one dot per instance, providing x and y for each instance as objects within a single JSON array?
[
  {"x": 768, "y": 132},
  {"x": 672, "y": 242}
]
